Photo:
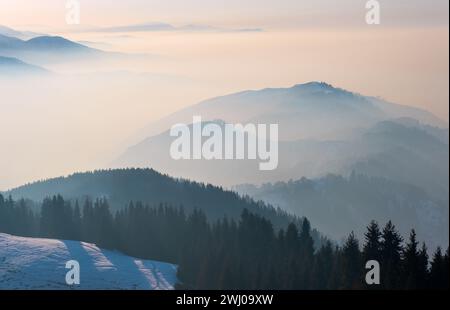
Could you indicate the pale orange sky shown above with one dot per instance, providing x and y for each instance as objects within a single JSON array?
[
  {"x": 256, "y": 12},
  {"x": 404, "y": 60}
]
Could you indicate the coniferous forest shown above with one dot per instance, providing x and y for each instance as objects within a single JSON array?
[{"x": 233, "y": 254}]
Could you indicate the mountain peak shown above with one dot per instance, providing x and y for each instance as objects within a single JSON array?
[
  {"x": 23, "y": 35},
  {"x": 41, "y": 43},
  {"x": 49, "y": 38},
  {"x": 315, "y": 85},
  {"x": 53, "y": 41}
]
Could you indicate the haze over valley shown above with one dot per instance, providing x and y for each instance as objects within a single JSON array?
[{"x": 348, "y": 117}]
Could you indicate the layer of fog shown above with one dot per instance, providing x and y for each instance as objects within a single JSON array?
[
  {"x": 83, "y": 116},
  {"x": 60, "y": 124}
]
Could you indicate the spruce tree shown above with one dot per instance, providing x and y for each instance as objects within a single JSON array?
[
  {"x": 372, "y": 245},
  {"x": 446, "y": 270},
  {"x": 391, "y": 249},
  {"x": 423, "y": 267},
  {"x": 306, "y": 256},
  {"x": 351, "y": 264},
  {"x": 411, "y": 263},
  {"x": 437, "y": 273}
]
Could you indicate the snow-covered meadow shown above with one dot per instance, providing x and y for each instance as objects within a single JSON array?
[{"x": 40, "y": 264}]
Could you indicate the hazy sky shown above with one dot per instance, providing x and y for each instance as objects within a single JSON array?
[
  {"x": 404, "y": 60},
  {"x": 325, "y": 39},
  {"x": 251, "y": 12}
]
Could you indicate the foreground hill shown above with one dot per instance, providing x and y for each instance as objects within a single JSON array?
[
  {"x": 31, "y": 263},
  {"x": 148, "y": 186}
]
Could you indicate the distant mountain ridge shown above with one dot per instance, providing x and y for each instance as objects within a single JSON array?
[
  {"x": 42, "y": 43},
  {"x": 323, "y": 129},
  {"x": 336, "y": 203},
  {"x": 314, "y": 110},
  {"x": 379, "y": 151},
  {"x": 46, "y": 49},
  {"x": 12, "y": 66},
  {"x": 23, "y": 35}
]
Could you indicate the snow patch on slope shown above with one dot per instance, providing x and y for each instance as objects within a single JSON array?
[{"x": 30, "y": 263}]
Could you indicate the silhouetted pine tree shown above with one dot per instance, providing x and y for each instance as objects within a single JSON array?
[
  {"x": 423, "y": 265},
  {"x": 306, "y": 256},
  {"x": 226, "y": 254},
  {"x": 76, "y": 222},
  {"x": 323, "y": 267},
  {"x": 292, "y": 270},
  {"x": 438, "y": 274},
  {"x": 391, "y": 249},
  {"x": 351, "y": 264},
  {"x": 372, "y": 245},
  {"x": 446, "y": 270},
  {"x": 411, "y": 263}
]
